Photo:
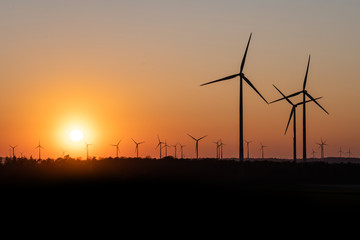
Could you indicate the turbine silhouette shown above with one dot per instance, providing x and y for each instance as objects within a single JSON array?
[
  {"x": 87, "y": 150},
  {"x": 182, "y": 150},
  {"x": 241, "y": 77},
  {"x": 159, "y": 145},
  {"x": 293, "y": 114},
  {"x": 39, "y": 147},
  {"x": 175, "y": 148},
  {"x": 13, "y": 151},
  {"x": 217, "y": 149},
  {"x": 197, "y": 145},
  {"x": 349, "y": 152},
  {"x": 248, "y": 149},
  {"x": 321, "y": 145},
  {"x": 117, "y": 148},
  {"x": 305, "y": 94},
  {"x": 137, "y": 147},
  {"x": 340, "y": 152},
  {"x": 262, "y": 150}
]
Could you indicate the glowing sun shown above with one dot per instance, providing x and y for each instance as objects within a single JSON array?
[{"x": 76, "y": 135}]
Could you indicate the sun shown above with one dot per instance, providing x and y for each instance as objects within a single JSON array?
[{"x": 76, "y": 135}]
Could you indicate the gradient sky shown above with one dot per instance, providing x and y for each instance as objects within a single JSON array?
[{"x": 132, "y": 69}]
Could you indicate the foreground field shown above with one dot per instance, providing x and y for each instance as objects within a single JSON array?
[{"x": 183, "y": 186}]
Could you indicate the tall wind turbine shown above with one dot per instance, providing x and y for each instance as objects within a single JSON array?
[
  {"x": 166, "y": 147},
  {"x": 159, "y": 145},
  {"x": 117, "y": 148},
  {"x": 87, "y": 150},
  {"x": 137, "y": 148},
  {"x": 293, "y": 114},
  {"x": 305, "y": 94},
  {"x": 321, "y": 145},
  {"x": 241, "y": 77},
  {"x": 197, "y": 145},
  {"x": 39, "y": 147},
  {"x": 262, "y": 150},
  {"x": 13, "y": 151},
  {"x": 248, "y": 149},
  {"x": 217, "y": 149}
]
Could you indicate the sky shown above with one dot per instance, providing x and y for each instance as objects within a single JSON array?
[{"x": 118, "y": 70}]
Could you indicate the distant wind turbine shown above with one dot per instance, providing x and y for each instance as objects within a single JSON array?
[
  {"x": 262, "y": 150},
  {"x": 39, "y": 147},
  {"x": 248, "y": 149},
  {"x": 175, "y": 148},
  {"x": 321, "y": 145},
  {"x": 137, "y": 147},
  {"x": 87, "y": 150},
  {"x": 304, "y": 93},
  {"x": 13, "y": 151},
  {"x": 241, "y": 77},
  {"x": 117, "y": 148},
  {"x": 159, "y": 144},
  {"x": 349, "y": 152},
  {"x": 182, "y": 150},
  {"x": 166, "y": 147},
  {"x": 293, "y": 114},
  {"x": 197, "y": 145},
  {"x": 340, "y": 152},
  {"x": 217, "y": 149},
  {"x": 313, "y": 153},
  {"x": 221, "y": 148}
]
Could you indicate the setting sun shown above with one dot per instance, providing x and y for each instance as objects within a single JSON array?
[{"x": 76, "y": 135}]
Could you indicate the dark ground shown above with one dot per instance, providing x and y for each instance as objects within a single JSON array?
[{"x": 183, "y": 189}]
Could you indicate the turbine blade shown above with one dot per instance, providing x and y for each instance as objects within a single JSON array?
[
  {"x": 141, "y": 142},
  {"x": 306, "y": 74},
  {"x": 190, "y": 136},
  {"x": 134, "y": 141},
  {"x": 287, "y": 99},
  {"x": 251, "y": 85},
  {"x": 300, "y": 103},
  {"x": 244, "y": 58},
  {"x": 221, "y": 79},
  {"x": 315, "y": 101},
  {"x": 288, "y": 96},
  {"x": 291, "y": 114},
  {"x": 202, "y": 137}
]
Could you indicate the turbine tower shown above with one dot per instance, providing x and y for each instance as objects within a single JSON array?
[
  {"x": 197, "y": 145},
  {"x": 13, "y": 151},
  {"x": 248, "y": 149},
  {"x": 304, "y": 95},
  {"x": 221, "y": 148},
  {"x": 137, "y": 147},
  {"x": 166, "y": 147},
  {"x": 313, "y": 154},
  {"x": 159, "y": 145},
  {"x": 349, "y": 152},
  {"x": 217, "y": 149},
  {"x": 321, "y": 145},
  {"x": 175, "y": 148},
  {"x": 39, "y": 147},
  {"x": 262, "y": 150},
  {"x": 87, "y": 150},
  {"x": 242, "y": 79},
  {"x": 293, "y": 114},
  {"x": 117, "y": 148}
]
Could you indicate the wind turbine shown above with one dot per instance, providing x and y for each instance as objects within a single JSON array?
[
  {"x": 159, "y": 145},
  {"x": 221, "y": 148},
  {"x": 175, "y": 147},
  {"x": 248, "y": 149},
  {"x": 137, "y": 148},
  {"x": 166, "y": 147},
  {"x": 117, "y": 148},
  {"x": 197, "y": 145},
  {"x": 262, "y": 150},
  {"x": 39, "y": 147},
  {"x": 321, "y": 145},
  {"x": 293, "y": 114},
  {"x": 340, "y": 152},
  {"x": 349, "y": 152},
  {"x": 13, "y": 151},
  {"x": 241, "y": 77},
  {"x": 182, "y": 150},
  {"x": 87, "y": 150},
  {"x": 313, "y": 153},
  {"x": 217, "y": 149},
  {"x": 304, "y": 93}
]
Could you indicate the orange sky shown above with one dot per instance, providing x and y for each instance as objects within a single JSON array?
[{"x": 125, "y": 69}]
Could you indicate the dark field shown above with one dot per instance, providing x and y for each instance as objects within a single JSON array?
[{"x": 184, "y": 187}]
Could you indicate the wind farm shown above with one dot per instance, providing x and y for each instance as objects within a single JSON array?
[{"x": 135, "y": 99}]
